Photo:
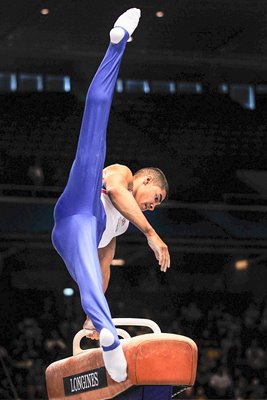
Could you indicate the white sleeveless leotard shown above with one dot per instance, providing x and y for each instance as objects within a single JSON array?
[{"x": 116, "y": 223}]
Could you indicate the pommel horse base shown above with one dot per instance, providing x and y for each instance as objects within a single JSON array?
[{"x": 153, "y": 359}]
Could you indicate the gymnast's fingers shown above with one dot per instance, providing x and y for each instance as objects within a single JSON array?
[
  {"x": 166, "y": 260},
  {"x": 163, "y": 261},
  {"x": 93, "y": 335}
]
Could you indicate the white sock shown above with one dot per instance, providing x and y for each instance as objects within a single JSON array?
[
  {"x": 129, "y": 21},
  {"x": 114, "y": 360}
]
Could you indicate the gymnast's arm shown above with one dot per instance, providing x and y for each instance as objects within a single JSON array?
[
  {"x": 106, "y": 255},
  {"x": 116, "y": 180}
]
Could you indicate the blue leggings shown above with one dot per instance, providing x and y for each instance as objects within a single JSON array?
[{"x": 79, "y": 215}]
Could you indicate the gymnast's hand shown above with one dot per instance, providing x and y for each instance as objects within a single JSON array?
[
  {"x": 92, "y": 332},
  {"x": 160, "y": 250}
]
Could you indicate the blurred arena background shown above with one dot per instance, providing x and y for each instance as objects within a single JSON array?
[{"x": 191, "y": 99}]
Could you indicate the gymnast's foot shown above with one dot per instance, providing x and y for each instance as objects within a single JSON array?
[
  {"x": 114, "y": 360},
  {"x": 92, "y": 332},
  {"x": 129, "y": 21}
]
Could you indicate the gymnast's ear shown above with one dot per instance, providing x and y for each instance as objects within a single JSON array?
[{"x": 148, "y": 179}]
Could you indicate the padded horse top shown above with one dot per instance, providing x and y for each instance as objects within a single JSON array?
[{"x": 153, "y": 359}]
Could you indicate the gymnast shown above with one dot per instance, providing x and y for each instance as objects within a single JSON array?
[{"x": 97, "y": 204}]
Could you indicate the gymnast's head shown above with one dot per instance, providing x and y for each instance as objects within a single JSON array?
[{"x": 150, "y": 188}]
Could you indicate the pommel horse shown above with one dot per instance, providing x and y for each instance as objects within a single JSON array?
[{"x": 156, "y": 362}]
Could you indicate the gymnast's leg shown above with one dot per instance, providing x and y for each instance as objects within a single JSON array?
[
  {"x": 76, "y": 243},
  {"x": 79, "y": 213},
  {"x": 83, "y": 189}
]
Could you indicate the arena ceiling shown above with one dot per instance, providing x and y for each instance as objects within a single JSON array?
[{"x": 214, "y": 39}]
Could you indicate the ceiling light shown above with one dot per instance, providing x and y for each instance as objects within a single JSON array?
[
  {"x": 242, "y": 264},
  {"x": 159, "y": 14},
  {"x": 44, "y": 11}
]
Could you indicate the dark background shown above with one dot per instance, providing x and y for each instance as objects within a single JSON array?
[{"x": 211, "y": 145}]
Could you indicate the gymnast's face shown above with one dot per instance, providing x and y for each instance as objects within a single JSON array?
[{"x": 149, "y": 195}]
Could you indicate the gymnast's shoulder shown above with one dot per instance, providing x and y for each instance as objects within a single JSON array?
[{"x": 118, "y": 175}]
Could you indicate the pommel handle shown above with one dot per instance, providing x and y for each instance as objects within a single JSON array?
[
  {"x": 121, "y": 332},
  {"x": 137, "y": 322}
]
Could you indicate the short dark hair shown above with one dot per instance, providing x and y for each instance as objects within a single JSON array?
[{"x": 158, "y": 175}]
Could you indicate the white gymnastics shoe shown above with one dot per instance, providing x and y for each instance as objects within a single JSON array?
[
  {"x": 129, "y": 21},
  {"x": 114, "y": 360}
]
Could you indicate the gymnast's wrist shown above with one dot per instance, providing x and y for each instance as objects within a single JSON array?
[{"x": 149, "y": 232}]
